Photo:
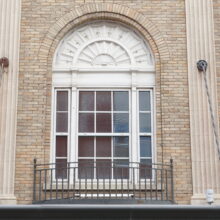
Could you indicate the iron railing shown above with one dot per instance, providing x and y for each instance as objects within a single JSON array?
[{"x": 103, "y": 181}]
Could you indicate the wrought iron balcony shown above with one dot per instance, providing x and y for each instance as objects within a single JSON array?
[{"x": 103, "y": 182}]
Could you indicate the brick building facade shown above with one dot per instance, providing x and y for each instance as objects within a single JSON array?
[{"x": 178, "y": 33}]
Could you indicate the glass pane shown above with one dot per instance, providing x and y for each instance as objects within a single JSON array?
[
  {"x": 121, "y": 169},
  {"x": 103, "y": 146},
  {"x": 62, "y": 101},
  {"x": 145, "y": 146},
  {"x": 61, "y": 168},
  {"x": 86, "y": 101},
  {"x": 121, "y": 122},
  {"x": 86, "y": 147},
  {"x": 146, "y": 168},
  {"x": 121, "y": 146},
  {"x": 145, "y": 122},
  {"x": 61, "y": 146},
  {"x": 121, "y": 102},
  {"x": 103, "y": 169},
  {"x": 86, "y": 122},
  {"x": 62, "y": 122},
  {"x": 103, "y": 122},
  {"x": 103, "y": 101},
  {"x": 144, "y": 101},
  {"x": 86, "y": 169}
]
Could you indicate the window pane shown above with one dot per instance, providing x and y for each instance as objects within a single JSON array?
[
  {"x": 103, "y": 169},
  {"x": 86, "y": 122},
  {"x": 103, "y": 122},
  {"x": 62, "y": 101},
  {"x": 144, "y": 101},
  {"x": 145, "y": 146},
  {"x": 86, "y": 169},
  {"x": 103, "y": 146},
  {"x": 145, "y": 122},
  {"x": 121, "y": 102},
  {"x": 86, "y": 101},
  {"x": 61, "y": 146},
  {"x": 121, "y": 146},
  {"x": 103, "y": 101},
  {"x": 121, "y": 169},
  {"x": 86, "y": 147},
  {"x": 121, "y": 122},
  {"x": 61, "y": 168},
  {"x": 146, "y": 168},
  {"x": 62, "y": 122}
]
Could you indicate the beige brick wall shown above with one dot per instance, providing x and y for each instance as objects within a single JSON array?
[{"x": 33, "y": 128}]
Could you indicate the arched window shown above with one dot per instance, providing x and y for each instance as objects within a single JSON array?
[{"x": 103, "y": 97}]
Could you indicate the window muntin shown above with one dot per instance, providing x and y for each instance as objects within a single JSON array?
[
  {"x": 107, "y": 138},
  {"x": 104, "y": 119},
  {"x": 61, "y": 139},
  {"x": 145, "y": 132}
]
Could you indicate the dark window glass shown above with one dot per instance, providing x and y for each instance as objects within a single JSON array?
[
  {"x": 86, "y": 101},
  {"x": 121, "y": 122},
  {"x": 103, "y": 169},
  {"x": 103, "y": 101},
  {"x": 121, "y": 146},
  {"x": 146, "y": 168},
  {"x": 103, "y": 122},
  {"x": 145, "y": 146},
  {"x": 86, "y": 147},
  {"x": 61, "y": 168},
  {"x": 62, "y": 101},
  {"x": 120, "y": 101},
  {"x": 86, "y": 122},
  {"x": 86, "y": 169},
  {"x": 62, "y": 122},
  {"x": 144, "y": 101},
  {"x": 121, "y": 169},
  {"x": 61, "y": 146},
  {"x": 145, "y": 122},
  {"x": 103, "y": 146}
]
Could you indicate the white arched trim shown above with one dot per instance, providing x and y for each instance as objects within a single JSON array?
[
  {"x": 103, "y": 44},
  {"x": 110, "y": 57}
]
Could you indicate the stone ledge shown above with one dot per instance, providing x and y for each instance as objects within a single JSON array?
[
  {"x": 200, "y": 199},
  {"x": 8, "y": 200},
  {"x": 83, "y": 211}
]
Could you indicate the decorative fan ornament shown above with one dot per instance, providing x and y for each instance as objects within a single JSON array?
[{"x": 103, "y": 44}]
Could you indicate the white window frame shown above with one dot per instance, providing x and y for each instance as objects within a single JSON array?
[
  {"x": 111, "y": 134},
  {"x": 152, "y": 133},
  {"x": 134, "y": 134},
  {"x": 55, "y": 133}
]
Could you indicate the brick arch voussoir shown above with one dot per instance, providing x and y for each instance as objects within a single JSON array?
[{"x": 105, "y": 10}]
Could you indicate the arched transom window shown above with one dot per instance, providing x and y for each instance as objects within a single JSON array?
[{"x": 103, "y": 98}]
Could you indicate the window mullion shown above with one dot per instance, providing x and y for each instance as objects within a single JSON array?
[
  {"x": 134, "y": 138},
  {"x": 95, "y": 127},
  {"x": 74, "y": 127}
]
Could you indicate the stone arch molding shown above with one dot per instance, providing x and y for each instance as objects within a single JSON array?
[
  {"x": 103, "y": 10},
  {"x": 103, "y": 44}
]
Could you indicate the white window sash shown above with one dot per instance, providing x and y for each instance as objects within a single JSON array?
[{"x": 134, "y": 137}]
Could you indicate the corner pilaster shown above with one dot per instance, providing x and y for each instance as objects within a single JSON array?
[
  {"x": 200, "y": 46},
  {"x": 9, "y": 47}
]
